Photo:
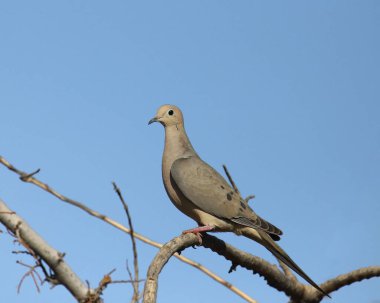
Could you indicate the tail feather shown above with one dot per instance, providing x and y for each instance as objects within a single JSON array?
[{"x": 281, "y": 255}]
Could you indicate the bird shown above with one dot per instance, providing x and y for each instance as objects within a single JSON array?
[{"x": 201, "y": 193}]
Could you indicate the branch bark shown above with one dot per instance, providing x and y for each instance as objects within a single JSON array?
[
  {"x": 295, "y": 290},
  {"x": 63, "y": 273},
  {"x": 159, "y": 261},
  {"x": 351, "y": 277}
]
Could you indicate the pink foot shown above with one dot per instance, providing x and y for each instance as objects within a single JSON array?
[{"x": 197, "y": 231}]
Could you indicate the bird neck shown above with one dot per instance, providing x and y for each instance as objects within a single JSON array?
[{"x": 177, "y": 144}]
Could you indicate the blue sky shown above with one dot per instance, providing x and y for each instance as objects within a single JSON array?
[{"x": 285, "y": 93}]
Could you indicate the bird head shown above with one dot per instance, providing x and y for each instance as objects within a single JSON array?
[{"x": 168, "y": 115}]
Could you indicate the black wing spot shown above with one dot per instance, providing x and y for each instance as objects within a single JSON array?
[
  {"x": 229, "y": 198},
  {"x": 221, "y": 186},
  {"x": 275, "y": 237},
  {"x": 243, "y": 205}
]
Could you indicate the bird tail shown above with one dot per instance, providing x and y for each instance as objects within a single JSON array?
[{"x": 281, "y": 255}]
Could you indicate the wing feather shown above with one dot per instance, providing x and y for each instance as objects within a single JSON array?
[{"x": 209, "y": 191}]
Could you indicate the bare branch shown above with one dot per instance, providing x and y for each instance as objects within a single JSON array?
[
  {"x": 286, "y": 283},
  {"x": 135, "y": 296},
  {"x": 104, "y": 282},
  {"x": 31, "y": 272},
  {"x": 26, "y": 177},
  {"x": 233, "y": 184},
  {"x": 125, "y": 281},
  {"x": 351, "y": 277},
  {"x": 169, "y": 249},
  {"x": 271, "y": 273},
  {"x": 39, "y": 247},
  {"x": 30, "y": 179},
  {"x": 121, "y": 227},
  {"x": 250, "y": 197},
  {"x": 275, "y": 277},
  {"x": 159, "y": 261},
  {"x": 283, "y": 282},
  {"x": 231, "y": 180}
]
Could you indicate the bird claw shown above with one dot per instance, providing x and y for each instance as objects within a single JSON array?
[
  {"x": 199, "y": 236},
  {"x": 197, "y": 231}
]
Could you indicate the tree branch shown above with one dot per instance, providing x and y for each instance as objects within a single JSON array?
[
  {"x": 351, "y": 277},
  {"x": 30, "y": 179},
  {"x": 162, "y": 257},
  {"x": 52, "y": 257},
  {"x": 159, "y": 261},
  {"x": 271, "y": 273},
  {"x": 275, "y": 278}
]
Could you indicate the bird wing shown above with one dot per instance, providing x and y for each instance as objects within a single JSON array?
[{"x": 210, "y": 192}]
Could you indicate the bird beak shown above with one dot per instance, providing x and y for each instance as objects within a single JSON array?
[{"x": 155, "y": 119}]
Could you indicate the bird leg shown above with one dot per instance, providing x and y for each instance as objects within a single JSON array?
[{"x": 197, "y": 231}]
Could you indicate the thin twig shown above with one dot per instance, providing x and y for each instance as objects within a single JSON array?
[
  {"x": 104, "y": 282},
  {"x": 135, "y": 257},
  {"x": 26, "y": 177},
  {"x": 234, "y": 186},
  {"x": 31, "y": 272},
  {"x": 51, "y": 278},
  {"x": 250, "y": 197},
  {"x": 126, "y": 281},
  {"x": 30, "y": 179},
  {"x": 231, "y": 180}
]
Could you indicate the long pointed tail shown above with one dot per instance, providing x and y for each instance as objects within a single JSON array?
[{"x": 281, "y": 255}]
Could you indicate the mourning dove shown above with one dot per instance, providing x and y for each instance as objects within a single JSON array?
[{"x": 201, "y": 193}]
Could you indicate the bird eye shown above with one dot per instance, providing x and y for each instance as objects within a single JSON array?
[{"x": 170, "y": 112}]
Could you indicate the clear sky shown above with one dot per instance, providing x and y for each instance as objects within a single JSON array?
[{"x": 285, "y": 93}]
